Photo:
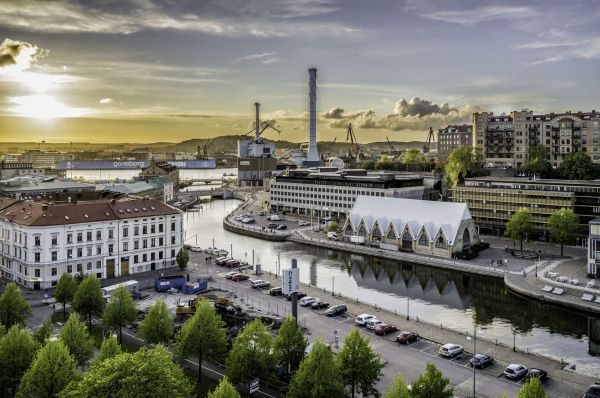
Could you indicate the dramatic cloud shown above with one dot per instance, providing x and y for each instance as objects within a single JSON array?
[
  {"x": 106, "y": 101},
  {"x": 17, "y": 54},
  {"x": 473, "y": 16},
  {"x": 415, "y": 114}
]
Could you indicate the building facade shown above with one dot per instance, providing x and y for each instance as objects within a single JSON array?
[
  {"x": 493, "y": 201},
  {"x": 163, "y": 170},
  {"x": 453, "y": 137},
  {"x": 332, "y": 192},
  {"x": 420, "y": 226},
  {"x": 505, "y": 139},
  {"x": 39, "y": 241},
  {"x": 593, "y": 264}
]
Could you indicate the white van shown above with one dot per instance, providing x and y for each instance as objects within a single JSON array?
[
  {"x": 274, "y": 217},
  {"x": 332, "y": 236}
]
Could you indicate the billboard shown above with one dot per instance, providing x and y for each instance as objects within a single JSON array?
[
  {"x": 132, "y": 164},
  {"x": 290, "y": 279}
]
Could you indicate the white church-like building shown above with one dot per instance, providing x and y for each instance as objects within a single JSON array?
[{"x": 420, "y": 226}]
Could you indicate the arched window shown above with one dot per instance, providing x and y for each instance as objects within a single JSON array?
[
  {"x": 440, "y": 243},
  {"x": 391, "y": 234},
  {"x": 466, "y": 237},
  {"x": 406, "y": 237},
  {"x": 423, "y": 241},
  {"x": 362, "y": 230},
  {"x": 348, "y": 230},
  {"x": 376, "y": 233}
]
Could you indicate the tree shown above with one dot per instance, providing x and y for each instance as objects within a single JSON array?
[
  {"x": 360, "y": 366},
  {"x": 290, "y": 345},
  {"x": 65, "y": 290},
  {"x": 88, "y": 298},
  {"x": 332, "y": 226},
  {"x": 144, "y": 373},
  {"x": 431, "y": 384},
  {"x": 120, "y": 310},
  {"x": 385, "y": 163},
  {"x": 462, "y": 162},
  {"x": 43, "y": 332},
  {"x": 564, "y": 226},
  {"x": 577, "y": 166},
  {"x": 413, "y": 156},
  {"x": 76, "y": 338},
  {"x": 224, "y": 390},
  {"x": 251, "y": 356},
  {"x": 520, "y": 225},
  {"x": 318, "y": 375},
  {"x": 157, "y": 326},
  {"x": 204, "y": 335},
  {"x": 14, "y": 309},
  {"x": 538, "y": 161},
  {"x": 368, "y": 165},
  {"x": 17, "y": 350},
  {"x": 110, "y": 348},
  {"x": 532, "y": 389},
  {"x": 51, "y": 371},
  {"x": 399, "y": 389},
  {"x": 183, "y": 257}
]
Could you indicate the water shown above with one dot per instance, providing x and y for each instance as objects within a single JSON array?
[{"x": 454, "y": 299}]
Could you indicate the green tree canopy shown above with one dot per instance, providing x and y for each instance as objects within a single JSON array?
[
  {"x": 564, "y": 226},
  {"x": 183, "y": 257},
  {"x": 290, "y": 345},
  {"x": 431, "y": 384},
  {"x": 224, "y": 390},
  {"x": 120, "y": 310},
  {"x": 332, "y": 226},
  {"x": 538, "y": 161},
  {"x": 360, "y": 366},
  {"x": 532, "y": 389},
  {"x": 368, "y": 165},
  {"x": 462, "y": 162},
  {"x": 157, "y": 326},
  {"x": 65, "y": 290},
  {"x": 51, "y": 371},
  {"x": 520, "y": 225},
  {"x": 110, "y": 348},
  {"x": 577, "y": 166},
  {"x": 413, "y": 156},
  {"x": 88, "y": 298},
  {"x": 17, "y": 351},
  {"x": 76, "y": 338},
  {"x": 251, "y": 356},
  {"x": 385, "y": 163},
  {"x": 14, "y": 309},
  {"x": 318, "y": 375},
  {"x": 145, "y": 373},
  {"x": 398, "y": 389},
  {"x": 43, "y": 332},
  {"x": 204, "y": 335}
]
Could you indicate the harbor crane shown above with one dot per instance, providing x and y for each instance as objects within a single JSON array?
[
  {"x": 430, "y": 137},
  {"x": 202, "y": 151},
  {"x": 355, "y": 150},
  {"x": 263, "y": 126},
  {"x": 329, "y": 148},
  {"x": 392, "y": 149}
]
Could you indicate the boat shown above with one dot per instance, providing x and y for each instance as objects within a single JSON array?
[{"x": 198, "y": 207}]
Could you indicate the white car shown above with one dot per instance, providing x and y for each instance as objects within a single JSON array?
[
  {"x": 210, "y": 250},
  {"x": 451, "y": 350},
  {"x": 362, "y": 319},
  {"x": 303, "y": 223},
  {"x": 196, "y": 249},
  {"x": 306, "y": 301},
  {"x": 221, "y": 252},
  {"x": 230, "y": 274},
  {"x": 515, "y": 371},
  {"x": 373, "y": 323},
  {"x": 259, "y": 284}
]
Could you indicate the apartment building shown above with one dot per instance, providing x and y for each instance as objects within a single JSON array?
[
  {"x": 505, "y": 139},
  {"x": 39, "y": 241},
  {"x": 453, "y": 137},
  {"x": 332, "y": 192},
  {"x": 493, "y": 201}
]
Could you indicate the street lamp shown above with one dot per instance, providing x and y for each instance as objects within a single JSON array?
[{"x": 474, "y": 353}]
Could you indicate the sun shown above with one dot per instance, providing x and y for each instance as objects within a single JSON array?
[{"x": 43, "y": 106}]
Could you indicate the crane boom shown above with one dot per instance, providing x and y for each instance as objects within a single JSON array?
[{"x": 430, "y": 137}]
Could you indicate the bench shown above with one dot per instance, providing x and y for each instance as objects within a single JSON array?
[
  {"x": 557, "y": 290},
  {"x": 547, "y": 288},
  {"x": 587, "y": 297}
]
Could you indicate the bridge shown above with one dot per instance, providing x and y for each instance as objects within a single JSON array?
[{"x": 216, "y": 180}]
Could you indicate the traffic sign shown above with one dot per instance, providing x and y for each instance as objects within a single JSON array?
[
  {"x": 290, "y": 279},
  {"x": 254, "y": 386}
]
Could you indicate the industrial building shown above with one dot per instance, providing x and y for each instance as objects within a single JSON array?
[
  {"x": 420, "y": 226},
  {"x": 331, "y": 192},
  {"x": 505, "y": 139},
  {"x": 41, "y": 240},
  {"x": 493, "y": 201}
]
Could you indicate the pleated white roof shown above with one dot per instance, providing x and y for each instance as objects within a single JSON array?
[{"x": 416, "y": 214}]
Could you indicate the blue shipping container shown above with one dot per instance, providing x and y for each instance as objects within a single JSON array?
[
  {"x": 166, "y": 282},
  {"x": 195, "y": 287}
]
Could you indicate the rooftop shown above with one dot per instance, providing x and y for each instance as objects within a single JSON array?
[{"x": 529, "y": 180}]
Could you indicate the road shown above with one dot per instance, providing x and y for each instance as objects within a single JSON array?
[{"x": 408, "y": 360}]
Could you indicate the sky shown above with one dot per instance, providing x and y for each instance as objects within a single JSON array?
[{"x": 169, "y": 70}]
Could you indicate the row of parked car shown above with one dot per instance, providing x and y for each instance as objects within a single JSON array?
[
  {"x": 245, "y": 219},
  {"x": 230, "y": 262}
]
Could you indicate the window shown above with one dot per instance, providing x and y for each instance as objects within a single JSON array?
[
  {"x": 70, "y": 253},
  {"x": 160, "y": 241},
  {"x": 98, "y": 264},
  {"x": 135, "y": 259},
  {"x": 125, "y": 246},
  {"x": 69, "y": 238},
  {"x": 69, "y": 268},
  {"x": 172, "y": 226},
  {"x": 80, "y": 267},
  {"x": 125, "y": 232},
  {"x": 144, "y": 229},
  {"x": 36, "y": 241},
  {"x": 98, "y": 249},
  {"x": 89, "y": 266},
  {"x": 37, "y": 257},
  {"x": 423, "y": 240},
  {"x": 79, "y": 252},
  {"x": 136, "y": 244},
  {"x": 153, "y": 228},
  {"x": 54, "y": 240},
  {"x": 110, "y": 248},
  {"x": 153, "y": 242},
  {"x": 88, "y": 236},
  {"x": 152, "y": 256},
  {"x": 440, "y": 243},
  {"x": 144, "y": 243},
  {"x": 172, "y": 240},
  {"x": 136, "y": 230},
  {"x": 160, "y": 227},
  {"x": 54, "y": 271},
  {"x": 79, "y": 237},
  {"x": 54, "y": 256},
  {"x": 160, "y": 255},
  {"x": 36, "y": 272},
  {"x": 144, "y": 257},
  {"x": 89, "y": 251},
  {"x": 172, "y": 252},
  {"x": 98, "y": 235},
  {"x": 111, "y": 234}
]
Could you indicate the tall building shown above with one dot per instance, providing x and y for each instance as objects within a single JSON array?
[
  {"x": 493, "y": 201},
  {"x": 453, "y": 137},
  {"x": 39, "y": 241},
  {"x": 505, "y": 139}
]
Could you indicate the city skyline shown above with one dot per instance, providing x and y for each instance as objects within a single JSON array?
[{"x": 160, "y": 71}]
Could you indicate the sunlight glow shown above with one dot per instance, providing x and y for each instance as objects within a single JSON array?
[{"x": 44, "y": 107}]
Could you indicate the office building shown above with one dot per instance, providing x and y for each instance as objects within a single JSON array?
[
  {"x": 420, "y": 226},
  {"x": 505, "y": 139},
  {"x": 493, "y": 201},
  {"x": 41, "y": 240},
  {"x": 453, "y": 137},
  {"x": 332, "y": 192}
]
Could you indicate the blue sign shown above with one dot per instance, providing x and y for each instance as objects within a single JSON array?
[{"x": 132, "y": 164}]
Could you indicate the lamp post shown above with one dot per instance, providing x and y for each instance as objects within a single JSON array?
[
  {"x": 408, "y": 308},
  {"x": 332, "y": 285},
  {"x": 514, "y": 331},
  {"x": 474, "y": 353}
]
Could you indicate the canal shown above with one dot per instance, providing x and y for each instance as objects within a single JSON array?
[{"x": 455, "y": 299}]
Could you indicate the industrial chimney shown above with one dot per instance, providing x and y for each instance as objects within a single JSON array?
[
  {"x": 313, "y": 154},
  {"x": 257, "y": 134}
]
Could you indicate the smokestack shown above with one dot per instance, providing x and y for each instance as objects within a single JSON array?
[
  {"x": 257, "y": 134},
  {"x": 313, "y": 154}
]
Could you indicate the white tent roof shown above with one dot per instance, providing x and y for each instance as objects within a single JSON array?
[{"x": 415, "y": 214}]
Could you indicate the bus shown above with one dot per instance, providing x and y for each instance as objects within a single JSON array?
[{"x": 132, "y": 286}]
